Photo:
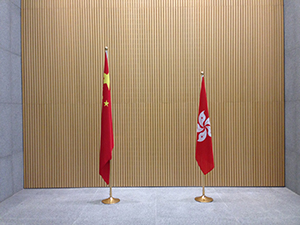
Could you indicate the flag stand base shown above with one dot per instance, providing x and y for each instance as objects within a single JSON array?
[
  {"x": 203, "y": 198},
  {"x": 110, "y": 200}
]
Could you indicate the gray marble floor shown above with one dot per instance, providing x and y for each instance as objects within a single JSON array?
[{"x": 174, "y": 205}]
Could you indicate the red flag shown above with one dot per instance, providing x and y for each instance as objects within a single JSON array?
[
  {"x": 107, "y": 139},
  {"x": 204, "y": 151}
]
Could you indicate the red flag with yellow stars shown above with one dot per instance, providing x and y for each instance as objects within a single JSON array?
[
  {"x": 107, "y": 139},
  {"x": 204, "y": 150}
]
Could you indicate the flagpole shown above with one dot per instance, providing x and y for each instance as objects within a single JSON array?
[
  {"x": 111, "y": 199},
  {"x": 203, "y": 197}
]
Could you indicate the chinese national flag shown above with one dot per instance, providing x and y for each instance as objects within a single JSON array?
[
  {"x": 107, "y": 139},
  {"x": 204, "y": 151}
]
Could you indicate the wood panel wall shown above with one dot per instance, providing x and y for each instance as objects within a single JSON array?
[{"x": 157, "y": 50}]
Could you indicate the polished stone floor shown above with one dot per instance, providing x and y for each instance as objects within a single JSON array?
[{"x": 173, "y": 205}]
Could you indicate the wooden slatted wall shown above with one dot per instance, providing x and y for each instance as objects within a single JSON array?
[{"x": 157, "y": 50}]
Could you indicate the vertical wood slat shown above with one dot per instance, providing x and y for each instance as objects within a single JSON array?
[{"x": 156, "y": 52}]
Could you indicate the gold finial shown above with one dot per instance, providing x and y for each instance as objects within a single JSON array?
[
  {"x": 202, "y": 73},
  {"x": 106, "y": 48}
]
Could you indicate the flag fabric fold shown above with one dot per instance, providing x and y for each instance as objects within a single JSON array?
[
  {"x": 107, "y": 139},
  {"x": 204, "y": 150}
]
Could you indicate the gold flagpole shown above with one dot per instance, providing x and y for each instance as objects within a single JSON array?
[
  {"x": 111, "y": 199},
  {"x": 203, "y": 197}
]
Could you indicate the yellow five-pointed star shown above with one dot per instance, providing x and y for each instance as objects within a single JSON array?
[
  {"x": 106, "y": 80},
  {"x": 106, "y": 103}
]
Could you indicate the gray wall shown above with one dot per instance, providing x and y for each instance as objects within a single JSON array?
[
  {"x": 292, "y": 94},
  {"x": 11, "y": 146}
]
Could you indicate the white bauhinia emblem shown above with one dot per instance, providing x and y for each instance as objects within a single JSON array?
[{"x": 203, "y": 127}]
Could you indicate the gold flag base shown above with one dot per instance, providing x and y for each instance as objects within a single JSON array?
[
  {"x": 203, "y": 198},
  {"x": 110, "y": 200}
]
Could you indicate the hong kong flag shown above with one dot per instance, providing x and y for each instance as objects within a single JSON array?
[{"x": 204, "y": 151}]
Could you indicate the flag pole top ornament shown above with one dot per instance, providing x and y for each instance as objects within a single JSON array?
[
  {"x": 202, "y": 73},
  {"x": 106, "y": 48}
]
